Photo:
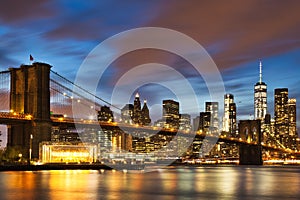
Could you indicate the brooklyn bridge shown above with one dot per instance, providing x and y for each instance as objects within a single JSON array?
[{"x": 37, "y": 108}]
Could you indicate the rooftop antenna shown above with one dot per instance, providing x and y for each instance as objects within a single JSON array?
[{"x": 260, "y": 71}]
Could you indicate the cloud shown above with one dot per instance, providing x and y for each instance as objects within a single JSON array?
[
  {"x": 18, "y": 11},
  {"x": 97, "y": 20},
  {"x": 235, "y": 33},
  {"x": 245, "y": 30}
]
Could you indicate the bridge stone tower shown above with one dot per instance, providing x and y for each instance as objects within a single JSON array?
[
  {"x": 30, "y": 94},
  {"x": 250, "y": 153}
]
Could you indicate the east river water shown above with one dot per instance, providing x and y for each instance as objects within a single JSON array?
[{"x": 209, "y": 182}]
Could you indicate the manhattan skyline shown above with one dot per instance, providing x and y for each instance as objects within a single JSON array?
[{"x": 236, "y": 35}]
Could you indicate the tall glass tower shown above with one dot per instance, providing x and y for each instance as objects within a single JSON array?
[
  {"x": 292, "y": 116},
  {"x": 229, "y": 118},
  {"x": 213, "y": 108},
  {"x": 260, "y": 97},
  {"x": 281, "y": 111},
  {"x": 171, "y": 113}
]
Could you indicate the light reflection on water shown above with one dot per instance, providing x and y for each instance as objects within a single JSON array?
[{"x": 175, "y": 183}]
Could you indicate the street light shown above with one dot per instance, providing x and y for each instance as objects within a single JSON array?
[{"x": 30, "y": 147}]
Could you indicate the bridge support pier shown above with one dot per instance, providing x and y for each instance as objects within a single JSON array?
[
  {"x": 251, "y": 153},
  {"x": 30, "y": 94}
]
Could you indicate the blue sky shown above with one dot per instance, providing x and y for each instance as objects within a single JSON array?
[{"x": 236, "y": 34}]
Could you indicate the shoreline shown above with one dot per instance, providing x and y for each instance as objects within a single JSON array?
[
  {"x": 54, "y": 167},
  {"x": 46, "y": 167}
]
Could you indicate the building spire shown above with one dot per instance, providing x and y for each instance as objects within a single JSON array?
[
  {"x": 137, "y": 95},
  {"x": 260, "y": 71}
]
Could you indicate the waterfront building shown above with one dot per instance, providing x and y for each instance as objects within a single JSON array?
[{"x": 61, "y": 152}]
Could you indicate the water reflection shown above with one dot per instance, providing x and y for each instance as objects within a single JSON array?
[{"x": 175, "y": 183}]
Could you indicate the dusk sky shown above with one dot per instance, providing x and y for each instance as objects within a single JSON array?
[{"x": 236, "y": 34}]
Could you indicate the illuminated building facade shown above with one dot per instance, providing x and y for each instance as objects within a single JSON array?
[
  {"x": 159, "y": 123},
  {"x": 292, "y": 116},
  {"x": 137, "y": 109},
  {"x": 267, "y": 130},
  {"x": 63, "y": 134},
  {"x": 104, "y": 138},
  {"x": 140, "y": 115},
  {"x": 127, "y": 114},
  {"x": 145, "y": 117},
  {"x": 213, "y": 108},
  {"x": 260, "y": 97},
  {"x": 105, "y": 114},
  {"x": 281, "y": 112},
  {"x": 205, "y": 121},
  {"x": 185, "y": 122},
  {"x": 67, "y": 152},
  {"x": 171, "y": 114},
  {"x": 229, "y": 119}
]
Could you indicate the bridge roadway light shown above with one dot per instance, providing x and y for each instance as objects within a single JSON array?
[{"x": 114, "y": 123}]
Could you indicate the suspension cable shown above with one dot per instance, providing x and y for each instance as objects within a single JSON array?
[{"x": 84, "y": 90}]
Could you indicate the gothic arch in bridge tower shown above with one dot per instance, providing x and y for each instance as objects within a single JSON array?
[{"x": 250, "y": 153}]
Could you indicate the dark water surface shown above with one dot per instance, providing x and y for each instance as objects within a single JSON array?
[{"x": 234, "y": 182}]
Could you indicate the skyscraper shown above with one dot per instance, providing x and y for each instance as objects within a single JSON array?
[
  {"x": 145, "y": 117},
  {"x": 232, "y": 119},
  {"x": 205, "y": 121},
  {"x": 127, "y": 114},
  {"x": 196, "y": 121},
  {"x": 185, "y": 122},
  {"x": 229, "y": 119},
  {"x": 281, "y": 112},
  {"x": 260, "y": 97},
  {"x": 213, "y": 108},
  {"x": 171, "y": 113},
  {"x": 292, "y": 117},
  {"x": 136, "y": 118}
]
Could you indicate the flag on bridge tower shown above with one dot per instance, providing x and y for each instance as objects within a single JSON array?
[{"x": 30, "y": 58}]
